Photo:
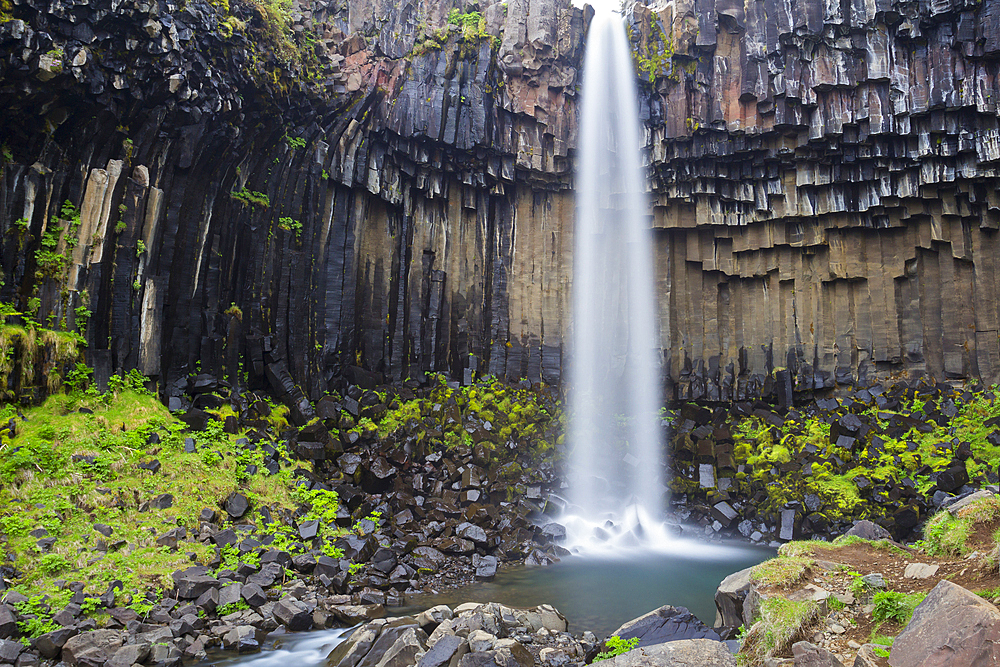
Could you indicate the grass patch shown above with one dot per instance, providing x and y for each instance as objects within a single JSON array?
[
  {"x": 66, "y": 471},
  {"x": 780, "y": 571},
  {"x": 948, "y": 535},
  {"x": 893, "y": 607},
  {"x": 782, "y": 622}
]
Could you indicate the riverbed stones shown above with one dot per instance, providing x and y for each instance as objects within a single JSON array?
[
  {"x": 293, "y": 614},
  {"x": 951, "y": 627}
]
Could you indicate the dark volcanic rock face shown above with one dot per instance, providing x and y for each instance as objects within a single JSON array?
[
  {"x": 392, "y": 193},
  {"x": 355, "y": 204},
  {"x": 825, "y": 190}
]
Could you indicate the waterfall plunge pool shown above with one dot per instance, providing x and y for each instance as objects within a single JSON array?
[
  {"x": 599, "y": 593},
  {"x": 596, "y": 593}
]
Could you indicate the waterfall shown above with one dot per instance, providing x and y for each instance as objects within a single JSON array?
[{"x": 614, "y": 393}]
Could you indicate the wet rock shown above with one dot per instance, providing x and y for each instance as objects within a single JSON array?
[
  {"x": 404, "y": 651},
  {"x": 242, "y": 639},
  {"x": 729, "y": 597},
  {"x": 444, "y": 651},
  {"x": 472, "y": 532},
  {"x": 665, "y": 624},
  {"x": 485, "y": 566}
]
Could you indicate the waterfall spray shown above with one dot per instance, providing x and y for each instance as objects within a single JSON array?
[{"x": 614, "y": 393}]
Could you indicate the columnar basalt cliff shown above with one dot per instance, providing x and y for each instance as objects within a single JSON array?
[
  {"x": 391, "y": 187},
  {"x": 389, "y": 190},
  {"x": 826, "y": 186}
]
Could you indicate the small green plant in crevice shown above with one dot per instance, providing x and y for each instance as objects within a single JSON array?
[
  {"x": 89, "y": 605},
  {"x": 295, "y": 143},
  {"x": 251, "y": 198},
  {"x": 896, "y": 607},
  {"x": 290, "y": 225},
  {"x": 36, "y": 617},
  {"x": 52, "y": 563},
  {"x": 616, "y": 646},
  {"x": 232, "y": 608}
]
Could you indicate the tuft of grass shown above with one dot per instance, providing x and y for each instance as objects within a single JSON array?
[
  {"x": 781, "y": 571},
  {"x": 782, "y": 622},
  {"x": 948, "y": 535}
]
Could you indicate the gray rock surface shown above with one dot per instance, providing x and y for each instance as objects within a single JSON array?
[
  {"x": 665, "y": 624},
  {"x": 729, "y": 597},
  {"x": 807, "y": 654},
  {"x": 681, "y": 653},
  {"x": 951, "y": 627}
]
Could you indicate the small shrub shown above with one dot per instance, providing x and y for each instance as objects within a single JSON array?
[
  {"x": 616, "y": 646},
  {"x": 52, "y": 563},
  {"x": 251, "y": 198},
  {"x": 894, "y": 606}
]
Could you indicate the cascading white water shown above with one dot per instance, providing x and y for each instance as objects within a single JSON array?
[{"x": 614, "y": 392}]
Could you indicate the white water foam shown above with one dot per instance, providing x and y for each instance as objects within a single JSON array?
[
  {"x": 614, "y": 396},
  {"x": 298, "y": 650}
]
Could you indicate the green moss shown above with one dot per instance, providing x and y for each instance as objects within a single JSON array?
[{"x": 251, "y": 198}]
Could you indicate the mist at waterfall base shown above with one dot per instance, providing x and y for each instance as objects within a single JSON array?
[{"x": 614, "y": 436}]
